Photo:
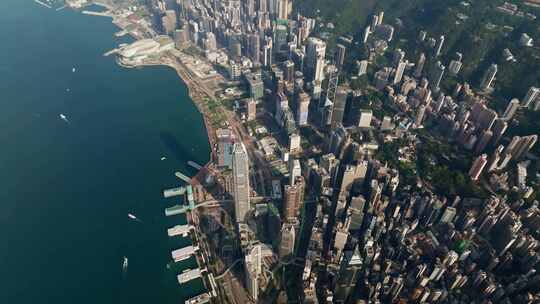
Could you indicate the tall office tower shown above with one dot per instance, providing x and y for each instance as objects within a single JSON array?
[
  {"x": 315, "y": 55},
  {"x": 356, "y": 213},
  {"x": 294, "y": 143},
  {"x": 511, "y": 109},
  {"x": 420, "y": 65},
  {"x": 287, "y": 242},
  {"x": 398, "y": 57},
  {"x": 362, "y": 67},
  {"x": 367, "y": 31},
  {"x": 282, "y": 9},
  {"x": 532, "y": 95},
  {"x": 420, "y": 113},
  {"x": 181, "y": 37},
  {"x": 422, "y": 36},
  {"x": 251, "y": 106},
  {"x": 254, "y": 48},
  {"x": 267, "y": 55},
  {"x": 240, "y": 181},
  {"x": 485, "y": 139},
  {"x": 340, "y": 101},
  {"x": 438, "y": 48},
  {"x": 349, "y": 274},
  {"x": 295, "y": 170},
  {"x": 262, "y": 6},
  {"x": 253, "y": 269},
  {"x": 280, "y": 37},
  {"x": 288, "y": 71},
  {"x": 302, "y": 109},
  {"x": 365, "y": 118},
  {"x": 436, "y": 78},
  {"x": 294, "y": 198},
  {"x": 255, "y": 85},
  {"x": 209, "y": 42},
  {"x": 169, "y": 22},
  {"x": 488, "y": 78},
  {"x": 249, "y": 9},
  {"x": 351, "y": 174},
  {"x": 399, "y": 71},
  {"x": 455, "y": 65},
  {"x": 340, "y": 55},
  {"x": 478, "y": 166}
]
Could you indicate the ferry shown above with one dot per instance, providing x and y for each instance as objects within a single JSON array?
[{"x": 125, "y": 264}]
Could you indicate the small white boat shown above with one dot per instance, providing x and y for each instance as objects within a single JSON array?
[
  {"x": 73, "y": 70},
  {"x": 163, "y": 158}
]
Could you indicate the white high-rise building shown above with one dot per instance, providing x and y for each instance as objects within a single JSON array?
[
  {"x": 295, "y": 170},
  {"x": 489, "y": 77},
  {"x": 362, "y": 67},
  {"x": 532, "y": 95},
  {"x": 253, "y": 269},
  {"x": 240, "y": 164},
  {"x": 315, "y": 58},
  {"x": 294, "y": 143},
  {"x": 511, "y": 109}
]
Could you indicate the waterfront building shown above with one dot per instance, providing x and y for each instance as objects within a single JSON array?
[
  {"x": 240, "y": 164},
  {"x": 169, "y": 22}
]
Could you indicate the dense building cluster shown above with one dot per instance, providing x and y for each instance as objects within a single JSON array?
[{"x": 369, "y": 236}]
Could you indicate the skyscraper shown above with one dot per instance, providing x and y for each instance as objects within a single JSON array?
[
  {"x": 340, "y": 54},
  {"x": 438, "y": 48},
  {"x": 532, "y": 95},
  {"x": 339, "y": 107},
  {"x": 511, "y": 109},
  {"x": 253, "y": 269},
  {"x": 399, "y": 71},
  {"x": 294, "y": 198},
  {"x": 240, "y": 181},
  {"x": 420, "y": 65},
  {"x": 287, "y": 242},
  {"x": 365, "y": 118},
  {"x": 254, "y": 47},
  {"x": 302, "y": 111},
  {"x": 489, "y": 77},
  {"x": 362, "y": 67},
  {"x": 437, "y": 75},
  {"x": 455, "y": 65},
  {"x": 315, "y": 56}
]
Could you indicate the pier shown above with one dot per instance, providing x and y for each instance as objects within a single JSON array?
[
  {"x": 200, "y": 299},
  {"x": 175, "y": 210},
  {"x": 174, "y": 192},
  {"x": 179, "y": 230},
  {"x": 185, "y": 253},
  {"x": 111, "y": 52},
  {"x": 189, "y": 275},
  {"x": 95, "y": 13},
  {"x": 182, "y": 177},
  {"x": 194, "y": 165},
  {"x": 41, "y": 3}
]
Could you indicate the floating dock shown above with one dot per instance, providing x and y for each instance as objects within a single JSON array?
[
  {"x": 182, "y": 177},
  {"x": 182, "y": 230},
  {"x": 188, "y": 275},
  {"x": 185, "y": 253},
  {"x": 174, "y": 192},
  {"x": 200, "y": 299},
  {"x": 175, "y": 210}
]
